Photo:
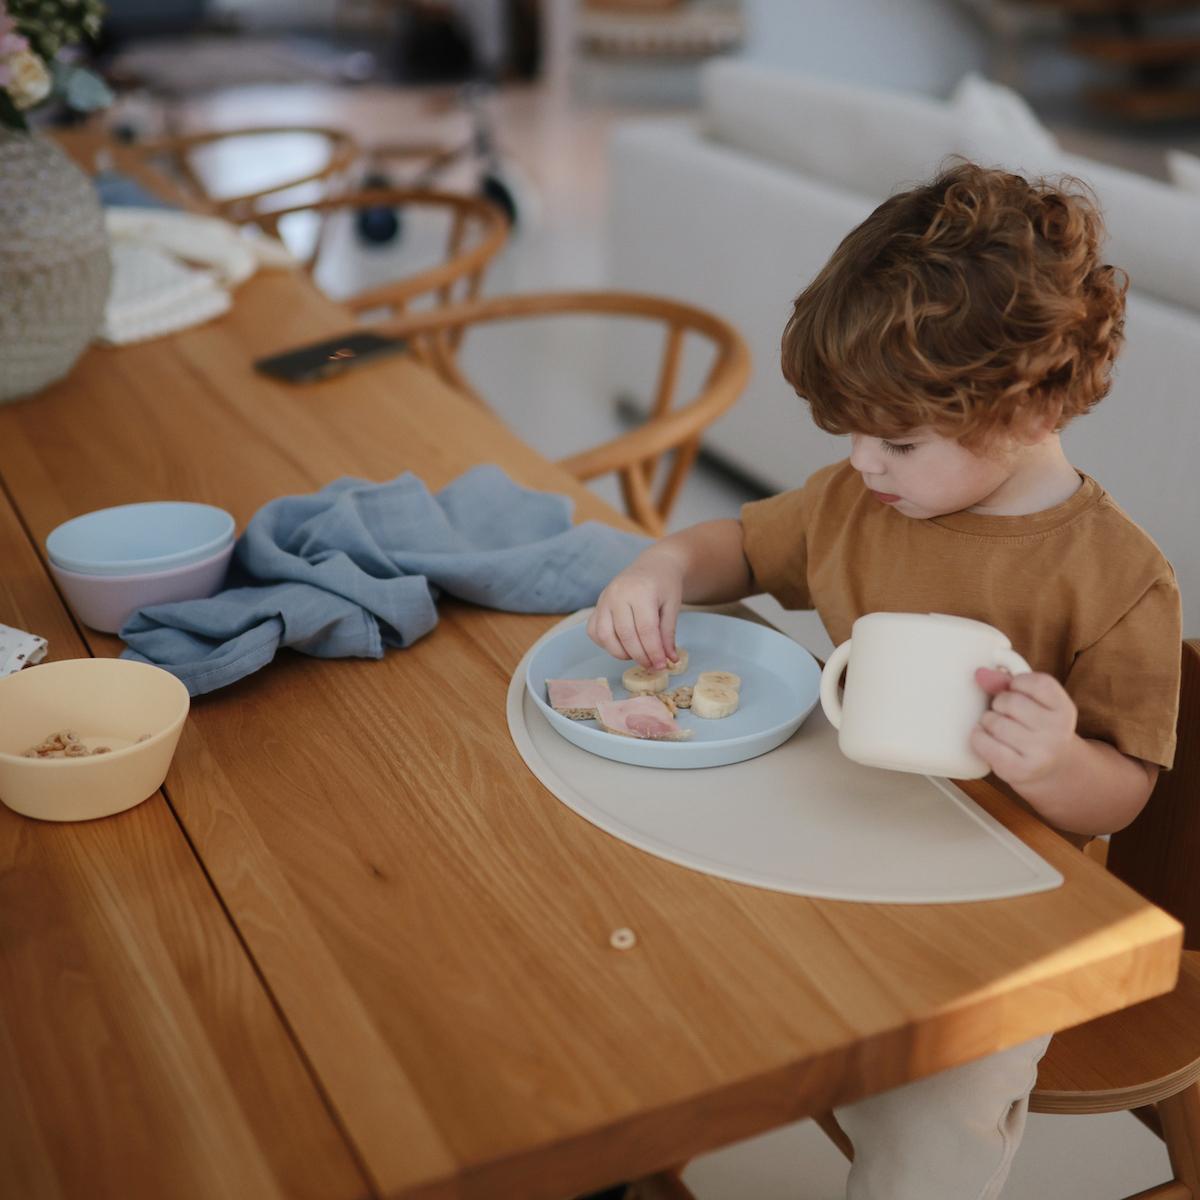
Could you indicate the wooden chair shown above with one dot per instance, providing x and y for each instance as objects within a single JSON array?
[
  {"x": 1145, "y": 1059},
  {"x": 635, "y": 456},
  {"x": 172, "y": 159},
  {"x": 478, "y": 232},
  {"x": 165, "y": 167}
]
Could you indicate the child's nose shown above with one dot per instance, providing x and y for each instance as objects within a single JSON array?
[{"x": 864, "y": 456}]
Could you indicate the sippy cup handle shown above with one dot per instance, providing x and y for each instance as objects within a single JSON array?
[
  {"x": 830, "y": 700},
  {"x": 1012, "y": 662}
]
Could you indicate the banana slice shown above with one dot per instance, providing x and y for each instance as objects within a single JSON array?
[
  {"x": 679, "y": 665},
  {"x": 644, "y": 681},
  {"x": 720, "y": 679},
  {"x": 713, "y": 702}
]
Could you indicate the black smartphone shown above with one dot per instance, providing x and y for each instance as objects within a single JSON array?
[{"x": 322, "y": 359}]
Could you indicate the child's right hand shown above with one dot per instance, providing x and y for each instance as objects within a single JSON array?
[{"x": 635, "y": 615}]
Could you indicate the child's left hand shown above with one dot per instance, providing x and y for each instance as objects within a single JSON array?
[{"x": 1029, "y": 730}]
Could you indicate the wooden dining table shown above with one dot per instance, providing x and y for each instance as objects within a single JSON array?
[{"x": 353, "y": 947}]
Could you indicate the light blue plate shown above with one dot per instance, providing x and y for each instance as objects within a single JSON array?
[{"x": 781, "y": 684}]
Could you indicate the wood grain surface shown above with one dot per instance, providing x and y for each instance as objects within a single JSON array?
[
  {"x": 140, "y": 1054},
  {"x": 432, "y": 923},
  {"x": 1156, "y": 855},
  {"x": 1128, "y": 1059}
]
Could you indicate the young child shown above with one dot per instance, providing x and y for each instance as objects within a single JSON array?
[{"x": 952, "y": 335}]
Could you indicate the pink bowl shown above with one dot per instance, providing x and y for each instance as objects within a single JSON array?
[{"x": 106, "y": 602}]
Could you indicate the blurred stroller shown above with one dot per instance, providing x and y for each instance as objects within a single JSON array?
[{"x": 486, "y": 25}]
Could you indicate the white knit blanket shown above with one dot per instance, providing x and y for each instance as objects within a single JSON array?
[{"x": 172, "y": 270}]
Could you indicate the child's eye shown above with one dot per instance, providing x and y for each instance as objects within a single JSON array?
[{"x": 899, "y": 447}]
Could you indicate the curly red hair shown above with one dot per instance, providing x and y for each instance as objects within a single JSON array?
[{"x": 975, "y": 304}]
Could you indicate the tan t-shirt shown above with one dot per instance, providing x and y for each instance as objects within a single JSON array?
[{"x": 1081, "y": 591}]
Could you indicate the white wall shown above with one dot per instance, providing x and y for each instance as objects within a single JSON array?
[{"x": 914, "y": 45}]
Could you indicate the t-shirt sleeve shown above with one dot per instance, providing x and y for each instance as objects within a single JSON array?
[
  {"x": 1126, "y": 684},
  {"x": 774, "y": 535}
]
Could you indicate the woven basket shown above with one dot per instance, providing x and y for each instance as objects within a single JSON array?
[{"x": 54, "y": 264}]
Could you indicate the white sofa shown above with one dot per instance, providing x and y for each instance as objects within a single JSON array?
[{"x": 737, "y": 209}]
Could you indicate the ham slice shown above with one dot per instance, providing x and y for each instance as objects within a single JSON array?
[
  {"x": 577, "y": 698},
  {"x": 641, "y": 717}
]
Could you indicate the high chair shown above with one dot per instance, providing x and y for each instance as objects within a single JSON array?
[
  {"x": 635, "y": 456},
  {"x": 1146, "y": 1058}
]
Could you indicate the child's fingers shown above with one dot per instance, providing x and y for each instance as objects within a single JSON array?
[
  {"x": 605, "y": 636},
  {"x": 669, "y": 619},
  {"x": 1002, "y": 759},
  {"x": 993, "y": 682},
  {"x": 1021, "y": 709},
  {"x": 1041, "y": 688},
  {"x": 611, "y": 642},
  {"x": 627, "y": 634},
  {"x": 1005, "y": 730},
  {"x": 651, "y": 637}
]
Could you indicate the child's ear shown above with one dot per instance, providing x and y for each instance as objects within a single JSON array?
[{"x": 1031, "y": 429}]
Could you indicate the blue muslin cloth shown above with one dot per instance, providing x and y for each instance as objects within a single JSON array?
[
  {"x": 358, "y": 566},
  {"x": 114, "y": 188}
]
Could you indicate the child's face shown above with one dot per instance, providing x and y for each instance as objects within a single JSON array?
[{"x": 925, "y": 474}]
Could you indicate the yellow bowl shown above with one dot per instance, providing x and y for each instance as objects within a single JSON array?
[{"x": 106, "y": 701}]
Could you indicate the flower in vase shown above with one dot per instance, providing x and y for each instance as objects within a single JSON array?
[
  {"x": 37, "y": 38},
  {"x": 25, "y": 79},
  {"x": 11, "y": 44}
]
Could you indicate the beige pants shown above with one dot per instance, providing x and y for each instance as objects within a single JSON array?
[{"x": 949, "y": 1137}]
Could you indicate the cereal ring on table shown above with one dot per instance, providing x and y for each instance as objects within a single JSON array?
[
  {"x": 622, "y": 939},
  {"x": 682, "y": 696},
  {"x": 669, "y": 701}
]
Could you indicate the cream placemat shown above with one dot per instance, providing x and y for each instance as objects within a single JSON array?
[{"x": 802, "y": 818}]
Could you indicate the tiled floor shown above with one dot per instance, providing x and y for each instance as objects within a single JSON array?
[{"x": 547, "y": 384}]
